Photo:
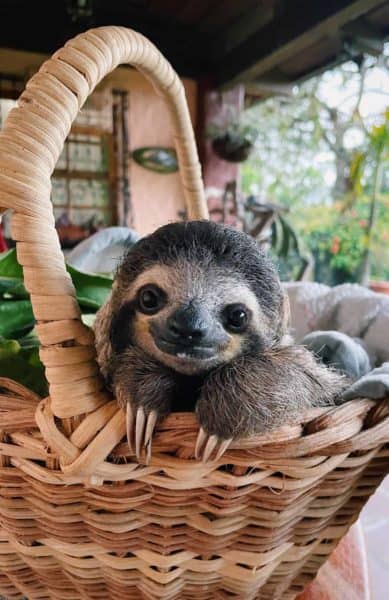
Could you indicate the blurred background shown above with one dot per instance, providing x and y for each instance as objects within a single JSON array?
[{"x": 290, "y": 107}]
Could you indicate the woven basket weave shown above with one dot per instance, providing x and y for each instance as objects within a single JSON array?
[{"x": 79, "y": 518}]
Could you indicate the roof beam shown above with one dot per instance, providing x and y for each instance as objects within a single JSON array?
[
  {"x": 270, "y": 84},
  {"x": 293, "y": 31},
  {"x": 366, "y": 37},
  {"x": 248, "y": 23}
]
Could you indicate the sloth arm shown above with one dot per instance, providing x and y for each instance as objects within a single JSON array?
[
  {"x": 143, "y": 387},
  {"x": 133, "y": 375},
  {"x": 259, "y": 392},
  {"x": 142, "y": 381}
]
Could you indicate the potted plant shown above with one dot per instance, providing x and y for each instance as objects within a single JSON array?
[{"x": 234, "y": 139}]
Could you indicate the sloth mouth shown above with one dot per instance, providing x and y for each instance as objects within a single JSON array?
[{"x": 186, "y": 351}]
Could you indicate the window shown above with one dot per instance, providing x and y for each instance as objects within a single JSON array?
[{"x": 90, "y": 186}]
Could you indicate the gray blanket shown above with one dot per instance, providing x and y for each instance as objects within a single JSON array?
[{"x": 349, "y": 356}]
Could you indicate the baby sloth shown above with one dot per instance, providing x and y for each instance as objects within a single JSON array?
[{"x": 197, "y": 321}]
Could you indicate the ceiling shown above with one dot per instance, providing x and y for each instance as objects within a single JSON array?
[{"x": 266, "y": 44}]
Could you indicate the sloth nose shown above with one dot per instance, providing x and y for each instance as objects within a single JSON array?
[{"x": 187, "y": 324}]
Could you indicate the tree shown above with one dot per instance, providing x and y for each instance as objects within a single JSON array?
[
  {"x": 378, "y": 153},
  {"x": 326, "y": 145}
]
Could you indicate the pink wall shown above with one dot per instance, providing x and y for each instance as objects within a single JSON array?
[
  {"x": 217, "y": 172},
  {"x": 156, "y": 198}
]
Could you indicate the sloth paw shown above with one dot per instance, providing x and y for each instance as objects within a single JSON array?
[
  {"x": 140, "y": 427},
  {"x": 141, "y": 418},
  {"x": 210, "y": 447}
]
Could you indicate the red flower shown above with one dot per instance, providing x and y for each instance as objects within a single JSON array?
[{"x": 363, "y": 223}]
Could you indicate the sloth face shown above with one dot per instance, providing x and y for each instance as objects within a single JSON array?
[{"x": 190, "y": 318}]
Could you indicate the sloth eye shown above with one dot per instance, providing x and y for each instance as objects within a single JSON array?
[
  {"x": 151, "y": 299},
  {"x": 235, "y": 318}
]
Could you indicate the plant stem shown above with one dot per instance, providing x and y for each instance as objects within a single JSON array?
[{"x": 365, "y": 262}]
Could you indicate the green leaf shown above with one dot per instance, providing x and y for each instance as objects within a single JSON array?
[
  {"x": 30, "y": 340},
  {"x": 9, "y": 266},
  {"x": 26, "y": 368},
  {"x": 11, "y": 274},
  {"x": 15, "y": 317},
  {"x": 7, "y": 284},
  {"x": 18, "y": 290},
  {"x": 8, "y": 348},
  {"x": 356, "y": 171},
  {"x": 91, "y": 290},
  {"x": 23, "y": 365}
]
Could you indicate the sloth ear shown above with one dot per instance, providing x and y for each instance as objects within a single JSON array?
[{"x": 119, "y": 331}]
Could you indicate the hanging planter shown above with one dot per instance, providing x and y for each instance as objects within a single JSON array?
[
  {"x": 233, "y": 139},
  {"x": 232, "y": 148}
]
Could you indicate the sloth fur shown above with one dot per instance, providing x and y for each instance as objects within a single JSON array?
[{"x": 197, "y": 320}]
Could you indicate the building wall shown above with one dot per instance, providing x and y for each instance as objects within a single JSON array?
[
  {"x": 156, "y": 198},
  {"x": 218, "y": 108}
]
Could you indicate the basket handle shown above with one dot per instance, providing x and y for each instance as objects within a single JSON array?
[{"x": 30, "y": 144}]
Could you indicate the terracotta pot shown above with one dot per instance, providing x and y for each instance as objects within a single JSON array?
[{"x": 382, "y": 287}]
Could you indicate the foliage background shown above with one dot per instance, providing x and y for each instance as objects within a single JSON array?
[{"x": 318, "y": 153}]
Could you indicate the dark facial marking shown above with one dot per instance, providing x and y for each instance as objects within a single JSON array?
[{"x": 120, "y": 331}]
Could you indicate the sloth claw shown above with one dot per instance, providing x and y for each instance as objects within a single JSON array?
[
  {"x": 129, "y": 426},
  {"x": 141, "y": 428},
  {"x": 202, "y": 436},
  {"x": 207, "y": 445},
  {"x": 139, "y": 431}
]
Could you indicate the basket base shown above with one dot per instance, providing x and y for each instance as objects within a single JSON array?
[{"x": 257, "y": 524}]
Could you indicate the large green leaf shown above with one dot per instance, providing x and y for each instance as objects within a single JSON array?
[
  {"x": 15, "y": 317},
  {"x": 19, "y": 357},
  {"x": 17, "y": 291},
  {"x": 92, "y": 290},
  {"x": 23, "y": 365},
  {"x": 8, "y": 348},
  {"x": 11, "y": 274},
  {"x": 9, "y": 284},
  {"x": 9, "y": 266}
]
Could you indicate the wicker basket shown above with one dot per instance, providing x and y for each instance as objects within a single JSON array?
[{"x": 79, "y": 517}]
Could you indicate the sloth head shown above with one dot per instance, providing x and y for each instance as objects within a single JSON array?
[{"x": 196, "y": 295}]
